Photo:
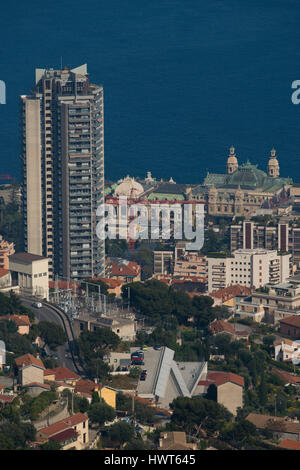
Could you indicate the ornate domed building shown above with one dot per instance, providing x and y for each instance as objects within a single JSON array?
[
  {"x": 243, "y": 189},
  {"x": 128, "y": 187}
]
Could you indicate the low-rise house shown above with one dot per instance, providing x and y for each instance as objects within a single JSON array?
[
  {"x": 29, "y": 369},
  {"x": 22, "y": 322},
  {"x": 35, "y": 388},
  {"x": 281, "y": 428},
  {"x": 217, "y": 327},
  {"x": 227, "y": 387},
  {"x": 125, "y": 326},
  {"x": 61, "y": 375},
  {"x": 6, "y": 249},
  {"x": 286, "y": 349},
  {"x": 5, "y": 399},
  {"x": 116, "y": 359},
  {"x": 124, "y": 270},
  {"x": 287, "y": 377},
  {"x": 86, "y": 388},
  {"x": 175, "y": 440},
  {"x": 228, "y": 295},
  {"x": 290, "y": 326},
  {"x": 78, "y": 423}
]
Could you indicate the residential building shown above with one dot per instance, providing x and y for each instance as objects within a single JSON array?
[
  {"x": 21, "y": 321},
  {"x": 61, "y": 375},
  {"x": 229, "y": 295},
  {"x": 272, "y": 302},
  {"x": 123, "y": 325},
  {"x": 163, "y": 262},
  {"x": 282, "y": 428},
  {"x": 287, "y": 350},
  {"x": 228, "y": 387},
  {"x": 217, "y": 327},
  {"x": 63, "y": 171},
  {"x": 78, "y": 439},
  {"x": 282, "y": 237},
  {"x": 30, "y": 369},
  {"x": 124, "y": 270},
  {"x": 86, "y": 389},
  {"x": 290, "y": 326},
  {"x": 30, "y": 273},
  {"x": 6, "y": 249},
  {"x": 175, "y": 440},
  {"x": 249, "y": 268}
]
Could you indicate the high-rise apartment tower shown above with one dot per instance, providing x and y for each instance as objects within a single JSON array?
[{"x": 63, "y": 171}]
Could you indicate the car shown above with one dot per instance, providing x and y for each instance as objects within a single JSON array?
[
  {"x": 143, "y": 377},
  {"x": 144, "y": 372},
  {"x": 37, "y": 305},
  {"x": 157, "y": 347}
]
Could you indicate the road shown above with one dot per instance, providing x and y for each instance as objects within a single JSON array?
[{"x": 47, "y": 314}]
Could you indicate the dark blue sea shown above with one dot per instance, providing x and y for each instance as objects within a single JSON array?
[{"x": 183, "y": 79}]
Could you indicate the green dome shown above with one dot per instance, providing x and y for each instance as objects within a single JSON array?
[{"x": 247, "y": 177}]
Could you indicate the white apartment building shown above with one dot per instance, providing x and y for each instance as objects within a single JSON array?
[
  {"x": 287, "y": 350},
  {"x": 248, "y": 267}
]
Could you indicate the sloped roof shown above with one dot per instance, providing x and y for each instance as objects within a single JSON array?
[
  {"x": 125, "y": 268},
  {"x": 29, "y": 360},
  {"x": 63, "y": 373},
  {"x": 289, "y": 444},
  {"x": 293, "y": 320},
  {"x": 231, "y": 291},
  {"x": 64, "y": 424},
  {"x": 64, "y": 435},
  {"x": 19, "y": 320},
  {"x": 220, "y": 378}
]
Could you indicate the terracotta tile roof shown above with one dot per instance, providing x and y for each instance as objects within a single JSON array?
[
  {"x": 38, "y": 384},
  {"x": 112, "y": 283},
  {"x": 6, "y": 398},
  {"x": 293, "y": 320},
  {"x": 278, "y": 424},
  {"x": 220, "y": 378},
  {"x": 3, "y": 272},
  {"x": 289, "y": 444},
  {"x": 231, "y": 291},
  {"x": 28, "y": 360},
  {"x": 19, "y": 320},
  {"x": 63, "y": 373},
  {"x": 288, "y": 377},
  {"x": 220, "y": 326},
  {"x": 48, "y": 372},
  {"x": 120, "y": 268},
  {"x": 86, "y": 386},
  {"x": 64, "y": 435},
  {"x": 64, "y": 424}
]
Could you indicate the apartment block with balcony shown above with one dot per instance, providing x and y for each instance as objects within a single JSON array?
[
  {"x": 63, "y": 171},
  {"x": 281, "y": 237},
  {"x": 249, "y": 268}
]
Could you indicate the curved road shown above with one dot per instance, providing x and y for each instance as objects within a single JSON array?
[{"x": 46, "y": 313}]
